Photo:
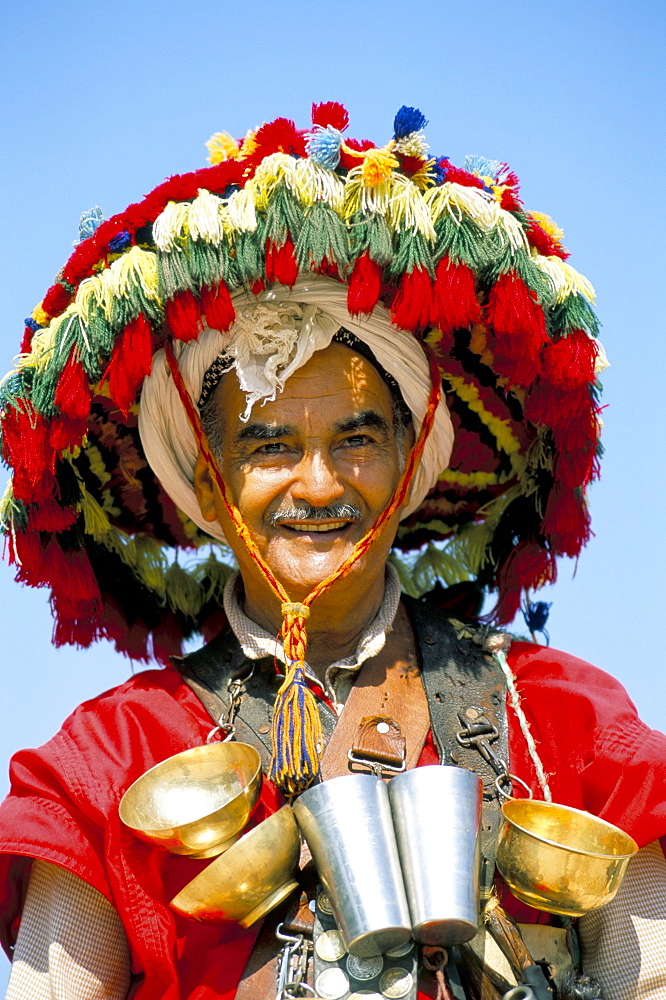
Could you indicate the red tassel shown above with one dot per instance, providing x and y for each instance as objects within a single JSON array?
[
  {"x": 72, "y": 394},
  {"x": 26, "y": 448},
  {"x": 130, "y": 639},
  {"x": 517, "y": 329},
  {"x": 456, "y": 175},
  {"x": 258, "y": 286},
  {"x": 510, "y": 201},
  {"x": 131, "y": 360},
  {"x": 454, "y": 301},
  {"x": 67, "y": 432},
  {"x": 50, "y": 516},
  {"x": 566, "y": 523},
  {"x": 570, "y": 361},
  {"x": 365, "y": 284},
  {"x": 213, "y": 624},
  {"x": 81, "y": 631},
  {"x": 26, "y": 342},
  {"x": 545, "y": 244},
  {"x": 528, "y": 566},
  {"x": 218, "y": 307},
  {"x": 75, "y": 589},
  {"x": 167, "y": 639},
  {"x": 281, "y": 264},
  {"x": 547, "y": 404},
  {"x": 183, "y": 316},
  {"x": 412, "y": 306},
  {"x": 330, "y": 113},
  {"x": 56, "y": 300},
  {"x": 577, "y": 463}
]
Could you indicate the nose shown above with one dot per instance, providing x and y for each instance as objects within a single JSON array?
[{"x": 316, "y": 480}]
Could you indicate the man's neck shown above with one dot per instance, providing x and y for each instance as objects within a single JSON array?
[{"x": 334, "y": 628}]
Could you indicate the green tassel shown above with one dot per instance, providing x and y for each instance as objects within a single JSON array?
[
  {"x": 173, "y": 273},
  {"x": 183, "y": 592},
  {"x": 206, "y": 263},
  {"x": 464, "y": 242},
  {"x": 372, "y": 235},
  {"x": 412, "y": 250},
  {"x": 96, "y": 342},
  {"x": 249, "y": 257},
  {"x": 46, "y": 380},
  {"x": 213, "y": 575},
  {"x": 284, "y": 217},
  {"x": 323, "y": 236},
  {"x": 575, "y": 313}
]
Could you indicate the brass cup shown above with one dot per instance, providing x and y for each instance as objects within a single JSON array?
[
  {"x": 250, "y": 879},
  {"x": 196, "y": 802},
  {"x": 560, "y": 859}
]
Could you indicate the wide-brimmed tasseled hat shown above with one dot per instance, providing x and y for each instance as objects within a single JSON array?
[{"x": 451, "y": 253}]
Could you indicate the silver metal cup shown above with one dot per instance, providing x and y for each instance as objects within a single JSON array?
[
  {"x": 436, "y": 815},
  {"x": 347, "y": 824}
]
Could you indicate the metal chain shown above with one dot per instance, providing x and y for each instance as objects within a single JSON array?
[{"x": 225, "y": 725}]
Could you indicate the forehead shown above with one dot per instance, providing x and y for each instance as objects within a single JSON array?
[{"x": 338, "y": 380}]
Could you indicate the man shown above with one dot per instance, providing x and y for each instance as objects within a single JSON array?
[{"x": 301, "y": 435}]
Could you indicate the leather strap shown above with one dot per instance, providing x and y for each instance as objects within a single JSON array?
[{"x": 388, "y": 685}]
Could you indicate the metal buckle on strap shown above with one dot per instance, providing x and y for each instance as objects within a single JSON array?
[
  {"x": 478, "y": 733},
  {"x": 376, "y": 766}
]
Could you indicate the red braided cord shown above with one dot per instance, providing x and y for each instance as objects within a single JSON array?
[{"x": 364, "y": 543}]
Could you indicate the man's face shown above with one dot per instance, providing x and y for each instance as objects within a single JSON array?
[{"x": 311, "y": 471}]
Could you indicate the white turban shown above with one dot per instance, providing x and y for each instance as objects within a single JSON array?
[{"x": 276, "y": 333}]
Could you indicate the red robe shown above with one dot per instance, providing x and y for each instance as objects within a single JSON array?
[{"x": 63, "y": 804}]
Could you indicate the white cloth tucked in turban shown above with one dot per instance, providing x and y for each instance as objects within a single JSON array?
[{"x": 276, "y": 333}]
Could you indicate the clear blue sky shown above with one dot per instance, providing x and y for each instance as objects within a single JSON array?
[{"x": 101, "y": 102}]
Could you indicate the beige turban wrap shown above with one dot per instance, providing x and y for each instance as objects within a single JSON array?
[{"x": 275, "y": 334}]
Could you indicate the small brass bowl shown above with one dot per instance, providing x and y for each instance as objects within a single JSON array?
[
  {"x": 250, "y": 879},
  {"x": 560, "y": 859},
  {"x": 196, "y": 802}
]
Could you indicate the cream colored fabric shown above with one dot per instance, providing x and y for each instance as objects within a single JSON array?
[
  {"x": 624, "y": 943},
  {"x": 256, "y": 643},
  {"x": 304, "y": 320},
  {"x": 71, "y": 944}
]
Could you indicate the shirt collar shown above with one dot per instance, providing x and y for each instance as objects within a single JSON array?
[{"x": 256, "y": 643}]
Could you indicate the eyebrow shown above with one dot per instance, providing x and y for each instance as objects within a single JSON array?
[
  {"x": 257, "y": 431},
  {"x": 369, "y": 418},
  {"x": 264, "y": 432}
]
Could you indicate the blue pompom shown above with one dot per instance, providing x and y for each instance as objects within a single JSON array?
[
  {"x": 408, "y": 120},
  {"x": 89, "y": 222},
  {"x": 482, "y": 166},
  {"x": 323, "y": 146},
  {"x": 120, "y": 241},
  {"x": 536, "y": 614},
  {"x": 32, "y": 324}
]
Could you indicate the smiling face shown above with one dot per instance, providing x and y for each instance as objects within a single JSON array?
[{"x": 309, "y": 472}]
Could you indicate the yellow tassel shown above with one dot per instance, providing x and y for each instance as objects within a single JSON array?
[
  {"x": 408, "y": 210},
  {"x": 136, "y": 267},
  {"x": 95, "y": 521},
  {"x": 221, "y": 146},
  {"x": 317, "y": 184},
  {"x": 242, "y": 209},
  {"x": 378, "y": 164},
  {"x": 458, "y": 200},
  {"x": 413, "y": 144},
  {"x": 276, "y": 169},
  {"x": 206, "y": 218},
  {"x": 170, "y": 225},
  {"x": 514, "y": 232},
  {"x": 565, "y": 279},
  {"x": 548, "y": 224},
  {"x": 248, "y": 143},
  {"x": 367, "y": 200},
  {"x": 40, "y": 316}
]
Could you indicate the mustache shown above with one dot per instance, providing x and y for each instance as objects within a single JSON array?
[{"x": 333, "y": 512}]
